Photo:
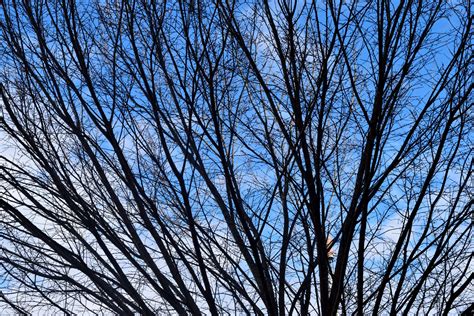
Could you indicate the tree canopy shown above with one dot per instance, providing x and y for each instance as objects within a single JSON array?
[{"x": 236, "y": 157}]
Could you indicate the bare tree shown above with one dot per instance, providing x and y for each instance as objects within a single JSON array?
[{"x": 236, "y": 157}]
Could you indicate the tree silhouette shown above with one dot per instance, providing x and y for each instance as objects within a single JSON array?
[{"x": 236, "y": 157}]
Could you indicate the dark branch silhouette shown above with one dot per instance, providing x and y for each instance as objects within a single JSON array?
[{"x": 236, "y": 157}]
